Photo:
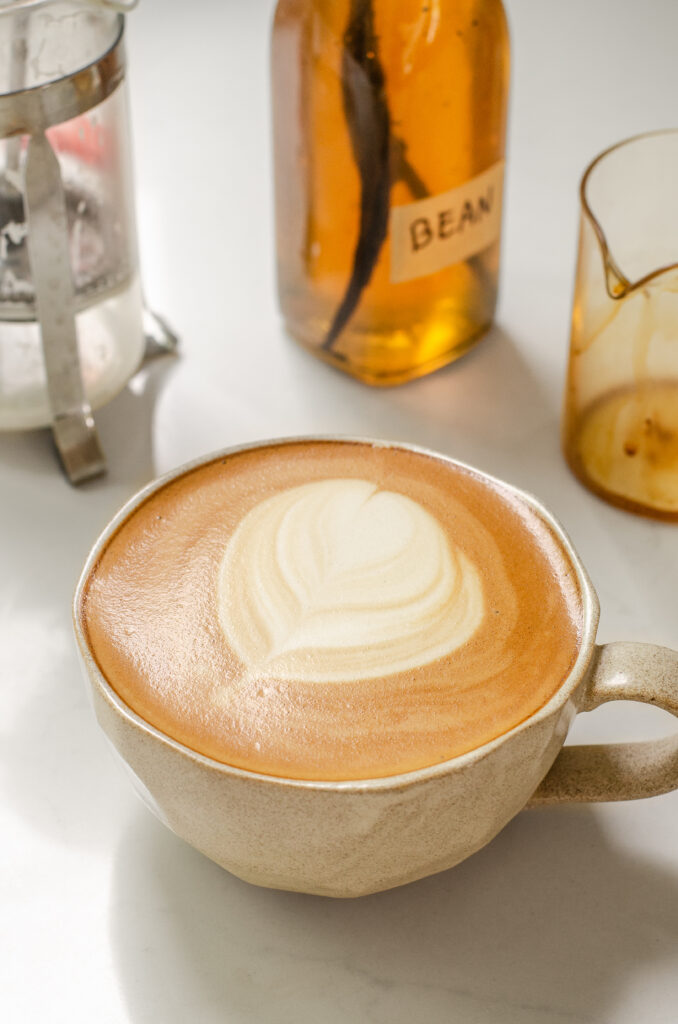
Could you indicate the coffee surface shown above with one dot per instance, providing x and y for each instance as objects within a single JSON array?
[{"x": 329, "y": 610}]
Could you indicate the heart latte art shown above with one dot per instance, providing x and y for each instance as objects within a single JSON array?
[
  {"x": 333, "y": 610},
  {"x": 337, "y": 580}
]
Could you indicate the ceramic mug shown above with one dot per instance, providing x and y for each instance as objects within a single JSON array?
[{"x": 352, "y": 838}]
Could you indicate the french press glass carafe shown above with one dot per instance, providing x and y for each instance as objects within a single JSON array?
[{"x": 71, "y": 313}]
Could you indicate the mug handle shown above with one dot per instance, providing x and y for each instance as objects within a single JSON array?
[{"x": 620, "y": 771}]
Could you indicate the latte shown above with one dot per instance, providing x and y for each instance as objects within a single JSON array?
[{"x": 333, "y": 610}]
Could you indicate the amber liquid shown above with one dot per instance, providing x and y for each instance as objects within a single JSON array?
[
  {"x": 626, "y": 449},
  {"x": 445, "y": 72}
]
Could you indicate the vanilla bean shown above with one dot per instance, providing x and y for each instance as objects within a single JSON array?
[
  {"x": 403, "y": 170},
  {"x": 380, "y": 156},
  {"x": 369, "y": 124}
]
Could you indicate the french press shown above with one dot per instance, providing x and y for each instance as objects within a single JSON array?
[{"x": 72, "y": 320}]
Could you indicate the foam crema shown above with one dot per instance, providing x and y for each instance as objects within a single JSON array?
[
  {"x": 337, "y": 581},
  {"x": 333, "y": 610}
]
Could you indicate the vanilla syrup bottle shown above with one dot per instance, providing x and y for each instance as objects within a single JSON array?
[{"x": 389, "y": 134}]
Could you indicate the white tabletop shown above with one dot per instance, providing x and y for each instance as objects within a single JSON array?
[{"x": 570, "y": 914}]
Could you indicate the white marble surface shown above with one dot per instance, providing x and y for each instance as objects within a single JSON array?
[{"x": 570, "y": 915}]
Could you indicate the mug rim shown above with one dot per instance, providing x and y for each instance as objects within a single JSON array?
[{"x": 590, "y": 618}]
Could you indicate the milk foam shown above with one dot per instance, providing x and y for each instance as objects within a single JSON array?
[{"x": 337, "y": 580}]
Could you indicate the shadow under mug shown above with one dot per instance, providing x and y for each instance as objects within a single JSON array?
[{"x": 348, "y": 839}]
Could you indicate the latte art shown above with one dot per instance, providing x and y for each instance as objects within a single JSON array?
[
  {"x": 337, "y": 580},
  {"x": 333, "y": 610}
]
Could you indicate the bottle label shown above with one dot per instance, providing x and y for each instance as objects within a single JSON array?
[{"x": 438, "y": 232}]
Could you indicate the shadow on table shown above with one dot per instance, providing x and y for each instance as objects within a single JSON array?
[
  {"x": 485, "y": 408},
  {"x": 125, "y": 427},
  {"x": 545, "y": 924},
  {"x": 49, "y": 740}
]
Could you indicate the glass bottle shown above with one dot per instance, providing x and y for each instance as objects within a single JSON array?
[{"x": 389, "y": 134}]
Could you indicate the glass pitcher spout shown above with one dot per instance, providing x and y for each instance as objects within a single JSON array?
[{"x": 643, "y": 252}]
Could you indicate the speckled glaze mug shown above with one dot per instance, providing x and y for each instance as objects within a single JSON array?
[{"x": 346, "y": 839}]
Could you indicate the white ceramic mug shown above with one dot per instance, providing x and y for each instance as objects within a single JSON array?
[{"x": 352, "y": 838}]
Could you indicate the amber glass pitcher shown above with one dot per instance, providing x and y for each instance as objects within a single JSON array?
[
  {"x": 389, "y": 120},
  {"x": 621, "y": 405}
]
